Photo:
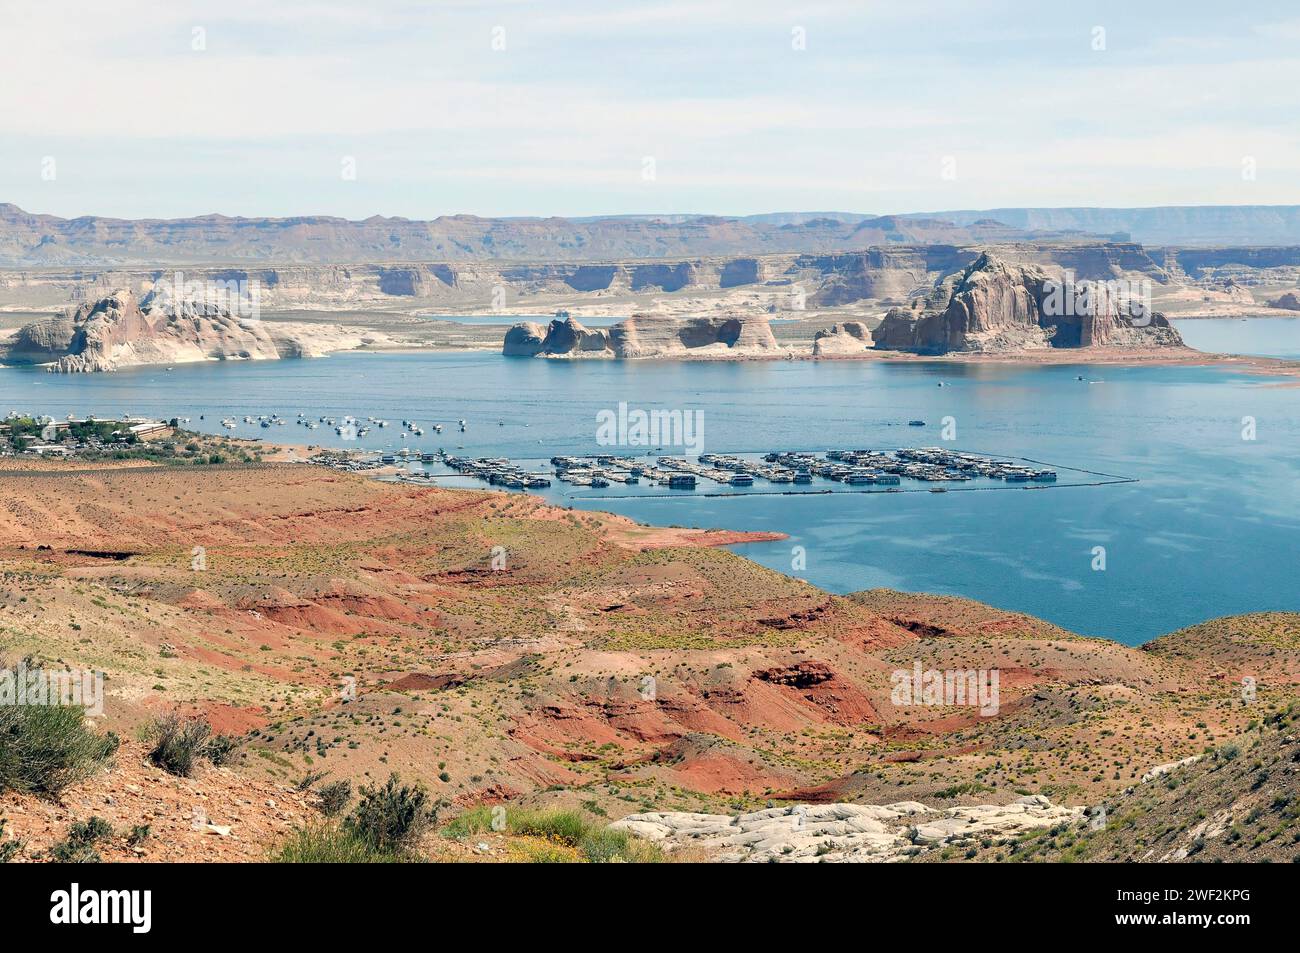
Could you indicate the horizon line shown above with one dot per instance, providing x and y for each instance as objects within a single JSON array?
[{"x": 614, "y": 216}]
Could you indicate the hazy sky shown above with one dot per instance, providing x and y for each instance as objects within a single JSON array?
[{"x": 261, "y": 107}]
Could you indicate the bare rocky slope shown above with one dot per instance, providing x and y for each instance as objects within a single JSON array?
[
  {"x": 527, "y": 684},
  {"x": 1234, "y": 803}
]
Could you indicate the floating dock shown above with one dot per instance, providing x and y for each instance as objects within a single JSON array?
[{"x": 864, "y": 470}]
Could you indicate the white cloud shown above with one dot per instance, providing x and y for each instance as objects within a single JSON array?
[{"x": 738, "y": 120}]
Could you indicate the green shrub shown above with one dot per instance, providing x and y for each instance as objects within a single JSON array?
[
  {"x": 9, "y": 849},
  {"x": 334, "y": 797},
  {"x": 89, "y": 831},
  {"x": 78, "y": 847},
  {"x": 391, "y": 818},
  {"x": 475, "y": 820},
  {"x": 178, "y": 741},
  {"x": 595, "y": 844},
  {"x": 45, "y": 748},
  {"x": 220, "y": 749},
  {"x": 605, "y": 846},
  {"x": 308, "y": 780},
  {"x": 966, "y": 788},
  {"x": 329, "y": 843},
  {"x": 563, "y": 827}
]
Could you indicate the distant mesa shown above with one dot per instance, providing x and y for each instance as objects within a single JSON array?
[
  {"x": 28, "y": 239},
  {"x": 405, "y": 247}
]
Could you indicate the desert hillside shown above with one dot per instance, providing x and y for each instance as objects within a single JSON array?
[
  {"x": 496, "y": 649},
  {"x": 1234, "y": 803}
]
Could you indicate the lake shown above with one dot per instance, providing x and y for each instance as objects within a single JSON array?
[
  {"x": 507, "y": 320},
  {"x": 1263, "y": 337},
  {"x": 1210, "y": 528}
]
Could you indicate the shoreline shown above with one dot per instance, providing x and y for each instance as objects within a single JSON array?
[
  {"x": 620, "y": 531},
  {"x": 625, "y": 531},
  {"x": 1146, "y": 357}
]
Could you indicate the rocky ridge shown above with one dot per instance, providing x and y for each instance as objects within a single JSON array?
[
  {"x": 858, "y": 284},
  {"x": 31, "y": 239},
  {"x": 28, "y": 238}
]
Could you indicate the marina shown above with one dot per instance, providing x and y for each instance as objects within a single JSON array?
[
  {"x": 777, "y": 471},
  {"x": 1175, "y": 428},
  {"x": 784, "y": 472}
]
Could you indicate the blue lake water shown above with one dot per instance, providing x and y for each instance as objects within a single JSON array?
[
  {"x": 1265, "y": 337},
  {"x": 505, "y": 320},
  {"x": 1210, "y": 529}
]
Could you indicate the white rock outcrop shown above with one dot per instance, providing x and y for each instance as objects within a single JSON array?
[
  {"x": 120, "y": 331},
  {"x": 844, "y": 833},
  {"x": 840, "y": 340}
]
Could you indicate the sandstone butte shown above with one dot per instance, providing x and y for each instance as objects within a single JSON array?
[
  {"x": 729, "y": 338},
  {"x": 993, "y": 306},
  {"x": 989, "y": 307},
  {"x": 770, "y": 729}
]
